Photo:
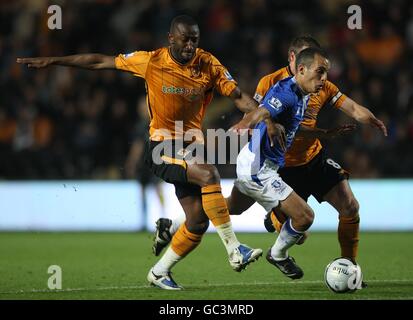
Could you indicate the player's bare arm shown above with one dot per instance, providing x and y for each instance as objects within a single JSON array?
[
  {"x": 319, "y": 133},
  {"x": 362, "y": 115},
  {"x": 243, "y": 101},
  {"x": 251, "y": 119},
  {"x": 92, "y": 61},
  {"x": 246, "y": 104}
]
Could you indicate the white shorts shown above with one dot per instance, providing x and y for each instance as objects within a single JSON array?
[{"x": 264, "y": 184}]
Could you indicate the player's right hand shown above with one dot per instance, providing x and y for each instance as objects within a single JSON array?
[
  {"x": 379, "y": 124},
  {"x": 40, "y": 62}
]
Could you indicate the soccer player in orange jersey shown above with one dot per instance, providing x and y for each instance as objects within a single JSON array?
[{"x": 180, "y": 80}]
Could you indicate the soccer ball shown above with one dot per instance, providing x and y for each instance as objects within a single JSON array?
[{"x": 342, "y": 275}]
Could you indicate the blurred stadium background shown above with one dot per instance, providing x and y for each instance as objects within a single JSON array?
[{"x": 69, "y": 127}]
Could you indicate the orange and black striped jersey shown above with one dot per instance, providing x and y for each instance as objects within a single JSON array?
[
  {"x": 177, "y": 94},
  {"x": 303, "y": 150}
]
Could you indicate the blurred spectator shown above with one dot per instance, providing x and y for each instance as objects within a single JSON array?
[{"x": 383, "y": 51}]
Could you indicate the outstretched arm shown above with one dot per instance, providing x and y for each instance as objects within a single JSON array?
[
  {"x": 246, "y": 104},
  {"x": 92, "y": 61},
  {"x": 243, "y": 101},
  {"x": 319, "y": 133},
  {"x": 362, "y": 114},
  {"x": 251, "y": 119}
]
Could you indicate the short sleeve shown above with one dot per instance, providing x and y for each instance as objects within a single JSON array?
[
  {"x": 276, "y": 102},
  {"x": 268, "y": 81},
  {"x": 135, "y": 62},
  {"x": 334, "y": 95},
  {"x": 224, "y": 83},
  {"x": 262, "y": 89}
]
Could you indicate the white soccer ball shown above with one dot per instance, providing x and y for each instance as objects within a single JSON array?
[{"x": 342, "y": 275}]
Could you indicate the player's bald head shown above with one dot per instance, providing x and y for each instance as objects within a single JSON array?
[
  {"x": 182, "y": 20},
  {"x": 298, "y": 44}
]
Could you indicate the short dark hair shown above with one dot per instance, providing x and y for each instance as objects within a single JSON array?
[
  {"x": 184, "y": 19},
  {"x": 306, "y": 56},
  {"x": 302, "y": 41}
]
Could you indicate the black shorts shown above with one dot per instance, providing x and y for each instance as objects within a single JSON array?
[
  {"x": 315, "y": 178},
  {"x": 170, "y": 165}
]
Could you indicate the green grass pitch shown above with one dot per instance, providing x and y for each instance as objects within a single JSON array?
[{"x": 114, "y": 266}]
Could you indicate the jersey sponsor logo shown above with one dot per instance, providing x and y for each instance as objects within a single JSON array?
[
  {"x": 127, "y": 55},
  {"x": 228, "y": 75},
  {"x": 275, "y": 103},
  {"x": 192, "y": 93},
  {"x": 258, "y": 97}
]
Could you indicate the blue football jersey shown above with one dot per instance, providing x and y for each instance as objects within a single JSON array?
[{"x": 286, "y": 104}]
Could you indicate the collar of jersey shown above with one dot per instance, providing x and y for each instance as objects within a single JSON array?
[
  {"x": 182, "y": 64},
  {"x": 297, "y": 88}
]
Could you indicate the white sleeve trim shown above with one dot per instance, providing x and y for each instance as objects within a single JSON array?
[{"x": 335, "y": 98}]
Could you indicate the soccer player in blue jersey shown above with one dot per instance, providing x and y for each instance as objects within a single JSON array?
[{"x": 258, "y": 162}]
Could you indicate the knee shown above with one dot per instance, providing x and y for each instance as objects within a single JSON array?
[
  {"x": 308, "y": 217},
  {"x": 210, "y": 175},
  {"x": 202, "y": 227},
  {"x": 233, "y": 209},
  {"x": 350, "y": 208},
  {"x": 198, "y": 227}
]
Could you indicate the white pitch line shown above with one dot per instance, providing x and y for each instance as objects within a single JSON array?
[{"x": 192, "y": 286}]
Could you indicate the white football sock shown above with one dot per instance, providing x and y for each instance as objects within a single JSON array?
[
  {"x": 176, "y": 223},
  {"x": 165, "y": 264},
  {"x": 228, "y": 237},
  {"x": 286, "y": 239}
]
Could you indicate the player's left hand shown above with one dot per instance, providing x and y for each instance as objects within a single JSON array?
[
  {"x": 379, "y": 124},
  {"x": 276, "y": 133}
]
